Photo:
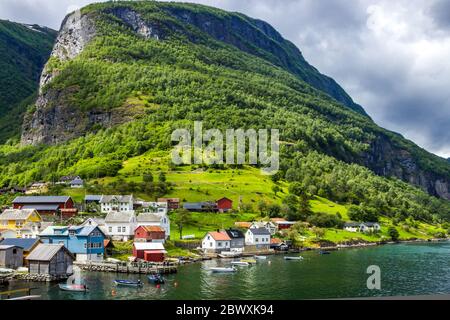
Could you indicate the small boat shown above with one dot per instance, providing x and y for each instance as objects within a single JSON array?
[
  {"x": 324, "y": 252},
  {"x": 260, "y": 257},
  {"x": 249, "y": 260},
  {"x": 128, "y": 283},
  {"x": 228, "y": 254},
  {"x": 293, "y": 258},
  {"x": 156, "y": 279},
  {"x": 223, "y": 270},
  {"x": 73, "y": 287},
  {"x": 240, "y": 263}
]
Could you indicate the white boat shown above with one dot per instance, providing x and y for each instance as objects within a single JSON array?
[
  {"x": 229, "y": 254},
  {"x": 260, "y": 257},
  {"x": 293, "y": 258},
  {"x": 240, "y": 263},
  {"x": 223, "y": 270}
]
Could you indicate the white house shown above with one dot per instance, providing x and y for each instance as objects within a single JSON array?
[
  {"x": 116, "y": 203},
  {"x": 77, "y": 183},
  {"x": 155, "y": 219},
  {"x": 362, "y": 226},
  {"x": 96, "y": 222},
  {"x": 259, "y": 237},
  {"x": 120, "y": 225},
  {"x": 269, "y": 225},
  {"x": 216, "y": 242},
  {"x": 155, "y": 207}
]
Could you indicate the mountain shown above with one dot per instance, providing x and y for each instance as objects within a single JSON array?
[
  {"x": 123, "y": 75},
  {"x": 24, "y": 50}
]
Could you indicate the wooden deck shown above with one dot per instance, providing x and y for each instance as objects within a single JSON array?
[{"x": 132, "y": 267}]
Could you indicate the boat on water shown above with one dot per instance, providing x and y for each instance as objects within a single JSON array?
[
  {"x": 293, "y": 258},
  {"x": 223, "y": 270},
  {"x": 324, "y": 252},
  {"x": 260, "y": 257},
  {"x": 240, "y": 263},
  {"x": 228, "y": 254},
  {"x": 156, "y": 279},
  {"x": 128, "y": 283},
  {"x": 251, "y": 261},
  {"x": 73, "y": 287}
]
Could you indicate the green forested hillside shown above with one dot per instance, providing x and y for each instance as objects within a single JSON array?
[
  {"x": 184, "y": 75},
  {"x": 23, "y": 50}
]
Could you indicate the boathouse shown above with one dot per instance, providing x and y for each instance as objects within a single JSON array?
[
  {"x": 11, "y": 257},
  {"x": 51, "y": 259}
]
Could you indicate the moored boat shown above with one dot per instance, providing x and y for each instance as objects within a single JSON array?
[
  {"x": 260, "y": 257},
  {"x": 223, "y": 270},
  {"x": 240, "y": 263},
  {"x": 128, "y": 283},
  {"x": 156, "y": 279},
  {"x": 293, "y": 258},
  {"x": 324, "y": 252},
  {"x": 73, "y": 287},
  {"x": 252, "y": 261}
]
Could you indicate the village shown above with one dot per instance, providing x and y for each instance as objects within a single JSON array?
[{"x": 38, "y": 242}]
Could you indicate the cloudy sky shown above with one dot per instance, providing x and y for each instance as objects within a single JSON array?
[{"x": 393, "y": 57}]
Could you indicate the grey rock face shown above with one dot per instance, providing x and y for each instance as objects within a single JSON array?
[{"x": 135, "y": 22}]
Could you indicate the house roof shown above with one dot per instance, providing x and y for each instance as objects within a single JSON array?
[
  {"x": 219, "y": 236},
  {"x": 17, "y": 214},
  {"x": 116, "y": 216},
  {"x": 148, "y": 246},
  {"x": 260, "y": 231},
  {"x": 41, "y": 199},
  {"x": 153, "y": 228},
  {"x": 98, "y": 221},
  {"x": 42, "y": 207},
  {"x": 25, "y": 244},
  {"x": 118, "y": 198},
  {"x": 148, "y": 217},
  {"x": 108, "y": 243},
  {"x": 198, "y": 205},
  {"x": 77, "y": 181},
  {"x": 45, "y": 252},
  {"x": 168, "y": 200},
  {"x": 243, "y": 224},
  {"x": 370, "y": 224},
  {"x": 6, "y": 247},
  {"x": 224, "y": 198},
  {"x": 352, "y": 224},
  {"x": 92, "y": 197},
  {"x": 64, "y": 231},
  {"x": 234, "y": 234}
]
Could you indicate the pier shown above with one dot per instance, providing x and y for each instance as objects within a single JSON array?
[{"x": 131, "y": 267}]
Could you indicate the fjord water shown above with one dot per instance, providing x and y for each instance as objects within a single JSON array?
[{"x": 406, "y": 269}]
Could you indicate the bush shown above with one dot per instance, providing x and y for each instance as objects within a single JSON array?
[
  {"x": 393, "y": 233},
  {"x": 324, "y": 220}
]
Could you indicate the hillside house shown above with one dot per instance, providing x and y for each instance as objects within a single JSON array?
[
  {"x": 16, "y": 219},
  {"x": 224, "y": 204},
  {"x": 269, "y": 225},
  {"x": 86, "y": 243},
  {"x": 51, "y": 259},
  {"x": 119, "y": 203},
  {"x": 45, "y": 205},
  {"x": 149, "y": 234},
  {"x": 216, "y": 242},
  {"x": 237, "y": 239},
  {"x": 120, "y": 225},
  {"x": 172, "y": 203},
  {"x": 155, "y": 219},
  {"x": 258, "y": 237},
  {"x": 76, "y": 183},
  {"x": 362, "y": 226}
]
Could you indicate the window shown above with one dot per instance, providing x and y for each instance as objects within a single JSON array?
[
  {"x": 219, "y": 244},
  {"x": 123, "y": 229},
  {"x": 71, "y": 233},
  {"x": 110, "y": 229},
  {"x": 256, "y": 239},
  {"x": 118, "y": 229}
]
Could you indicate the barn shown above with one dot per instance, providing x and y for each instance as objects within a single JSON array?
[
  {"x": 224, "y": 204},
  {"x": 45, "y": 205},
  {"x": 149, "y": 234},
  {"x": 149, "y": 251}
]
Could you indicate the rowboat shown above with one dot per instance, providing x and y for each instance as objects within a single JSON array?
[
  {"x": 293, "y": 258},
  {"x": 73, "y": 287},
  {"x": 156, "y": 279},
  {"x": 260, "y": 257},
  {"x": 324, "y": 252},
  {"x": 128, "y": 283},
  {"x": 228, "y": 254},
  {"x": 223, "y": 270},
  {"x": 240, "y": 263},
  {"x": 249, "y": 260}
]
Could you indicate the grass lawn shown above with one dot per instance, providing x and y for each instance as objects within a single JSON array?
[{"x": 326, "y": 206}]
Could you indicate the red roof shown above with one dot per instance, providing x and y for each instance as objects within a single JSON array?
[
  {"x": 243, "y": 224},
  {"x": 153, "y": 228},
  {"x": 219, "y": 236},
  {"x": 275, "y": 241}
]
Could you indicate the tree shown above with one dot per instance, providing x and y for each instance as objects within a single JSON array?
[
  {"x": 276, "y": 189},
  {"x": 319, "y": 232},
  {"x": 393, "y": 233},
  {"x": 162, "y": 177},
  {"x": 181, "y": 218},
  {"x": 148, "y": 177}
]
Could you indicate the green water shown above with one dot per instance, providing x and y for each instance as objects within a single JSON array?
[{"x": 406, "y": 269}]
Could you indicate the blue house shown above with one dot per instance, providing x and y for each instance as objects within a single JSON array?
[{"x": 85, "y": 242}]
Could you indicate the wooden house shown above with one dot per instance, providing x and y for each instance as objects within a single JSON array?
[
  {"x": 149, "y": 234},
  {"x": 51, "y": 259},
  {"x": 11, "y": 257}
]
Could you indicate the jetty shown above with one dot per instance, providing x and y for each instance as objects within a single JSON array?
[{"x": 127, "y": 267}]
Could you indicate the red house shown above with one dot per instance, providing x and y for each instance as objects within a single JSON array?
[
  {"x": 224, "y": 204},
  {"x": 149, "y": 234},
  {"x": 149, "y": 251},
  {"x": 45, "y": 205},
  {"x": 172, "y": 203}
]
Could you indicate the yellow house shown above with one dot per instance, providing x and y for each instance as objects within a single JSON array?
[{"x": 15, "y": 219}]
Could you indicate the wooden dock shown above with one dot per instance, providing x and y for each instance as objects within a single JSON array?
[{"x": 131, "y": 267}]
